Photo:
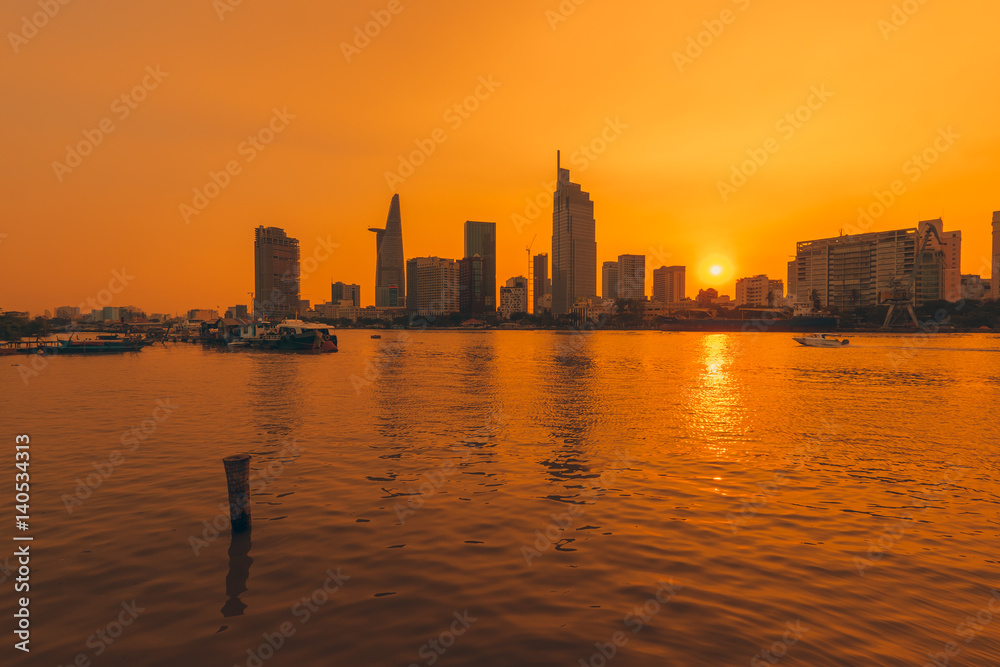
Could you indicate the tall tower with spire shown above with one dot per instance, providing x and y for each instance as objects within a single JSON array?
[
  {"x": 390, "y": 268},
  {"x": 574, "y": 244}
]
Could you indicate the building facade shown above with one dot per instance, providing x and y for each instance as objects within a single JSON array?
[
  {"x": 759, "y": 291},
  {"x": 471, "y": 285},
  {"x": 513, "y": 299},
  {"x": 609, "y": 280},
  {"x": 574, "y": 244},
  {"x": 390, "y": 267},
  {"x": 668, "y": 284},
  {"x": 950, "y": 245},
  {"x": 541, "y": 285},
  {"x": 852, "y": 271},
  {"x": 344, "y": 292},
  {"x": 632, "y": 277},
  {"x": 995, "y": 270},
  {"x": 276, "y": 273},
  {"x": 481, "y": 239},
  {"x": 433, "y": 285}
]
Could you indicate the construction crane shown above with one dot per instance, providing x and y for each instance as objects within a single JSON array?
[
  {"x": 902, "y": 296},
  {"x": 531, "y": 277}
]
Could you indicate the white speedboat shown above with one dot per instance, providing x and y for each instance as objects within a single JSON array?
[{"x": 821, "y": 340}]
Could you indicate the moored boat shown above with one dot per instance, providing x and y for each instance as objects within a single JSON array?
[
  {"x": 299, "y": 336},
  {"x": 70, "y": 346}
]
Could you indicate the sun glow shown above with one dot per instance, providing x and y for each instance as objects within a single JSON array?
[{"x": 716, "y": 270}]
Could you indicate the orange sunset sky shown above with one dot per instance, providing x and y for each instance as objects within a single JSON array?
[{"x": 898, "y": 82}]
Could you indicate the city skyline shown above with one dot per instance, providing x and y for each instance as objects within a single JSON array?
[{"x": 652, "y": 142}]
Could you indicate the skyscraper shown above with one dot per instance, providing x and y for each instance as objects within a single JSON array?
[
  {"x": 574, "y": 245},
  {"x": 632, "y": 277},
  {"x": 276, "y": 273},
  {"x": 995, "y": 271},
  {"x": 668, "y": 284},
  {"x": 433, "y": 285},
  {"x": 471, "y": 297},
  {"x": 390, "y": 268},
  {"x": 344, "y": 292},
  {"x": 542, "y": 285},
  {"x": 951, "y": 245},
  {"x": 609, "y": 280},
  {"x": 481, "y": 239}
]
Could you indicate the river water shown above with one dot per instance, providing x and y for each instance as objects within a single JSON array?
[{"x": 515, "y": 498}]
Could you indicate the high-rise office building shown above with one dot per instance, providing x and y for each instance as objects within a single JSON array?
[
  {"x": 471, "y": 285},
  {"x": 542, "y": 285},
  {"x": 632, "y": 277},
  {"x": 276, "y": 272},
  {"x": 390, "y": 267},
  {"x": 433, "y": 285},
  {"x": 574, "y": 244},
  {"x": 344, "y": 292},
  {"x": 995, "y": 270},
  {"x": 609, "y": 280},
  {"x": 759, "y": 291},
  {"x": 793, "y": 272},
  {"x": 668, "y": 284},
  {"x": 481, "y": 239}
]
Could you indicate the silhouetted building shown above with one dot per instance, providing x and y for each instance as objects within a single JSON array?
[
  {"x": 574, "y": 244},
  {"x": 668, "y": 284},
  {"x": 238, "y": 312},
  {"x": 759, "y": 291},
  {"x": 481, "y": 239},
  {"x": 390, "y": 267},
  {"x": 344, "y": 292},
  {"x": 276, "y": 269},
  {"x": 995, "y": 275},
  {"x": 433, "y": 285},
  {"x": 541, "y": 283},
  {"x": 706, "y": 297},
  {"x": 609, "y": 280},
  {"x": 471, "y": 285},
  {"x": 632, "y": 277}
]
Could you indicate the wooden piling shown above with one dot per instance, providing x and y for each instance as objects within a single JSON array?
[{"x": 238, "y": 481}]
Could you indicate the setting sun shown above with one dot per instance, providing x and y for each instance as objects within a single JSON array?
[{"x": 716, "y": 270}]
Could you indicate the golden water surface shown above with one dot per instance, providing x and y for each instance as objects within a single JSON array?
[{"x": 515, "y": 498}]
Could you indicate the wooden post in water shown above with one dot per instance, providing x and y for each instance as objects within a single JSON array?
[{"x": 238, "y": 480}]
